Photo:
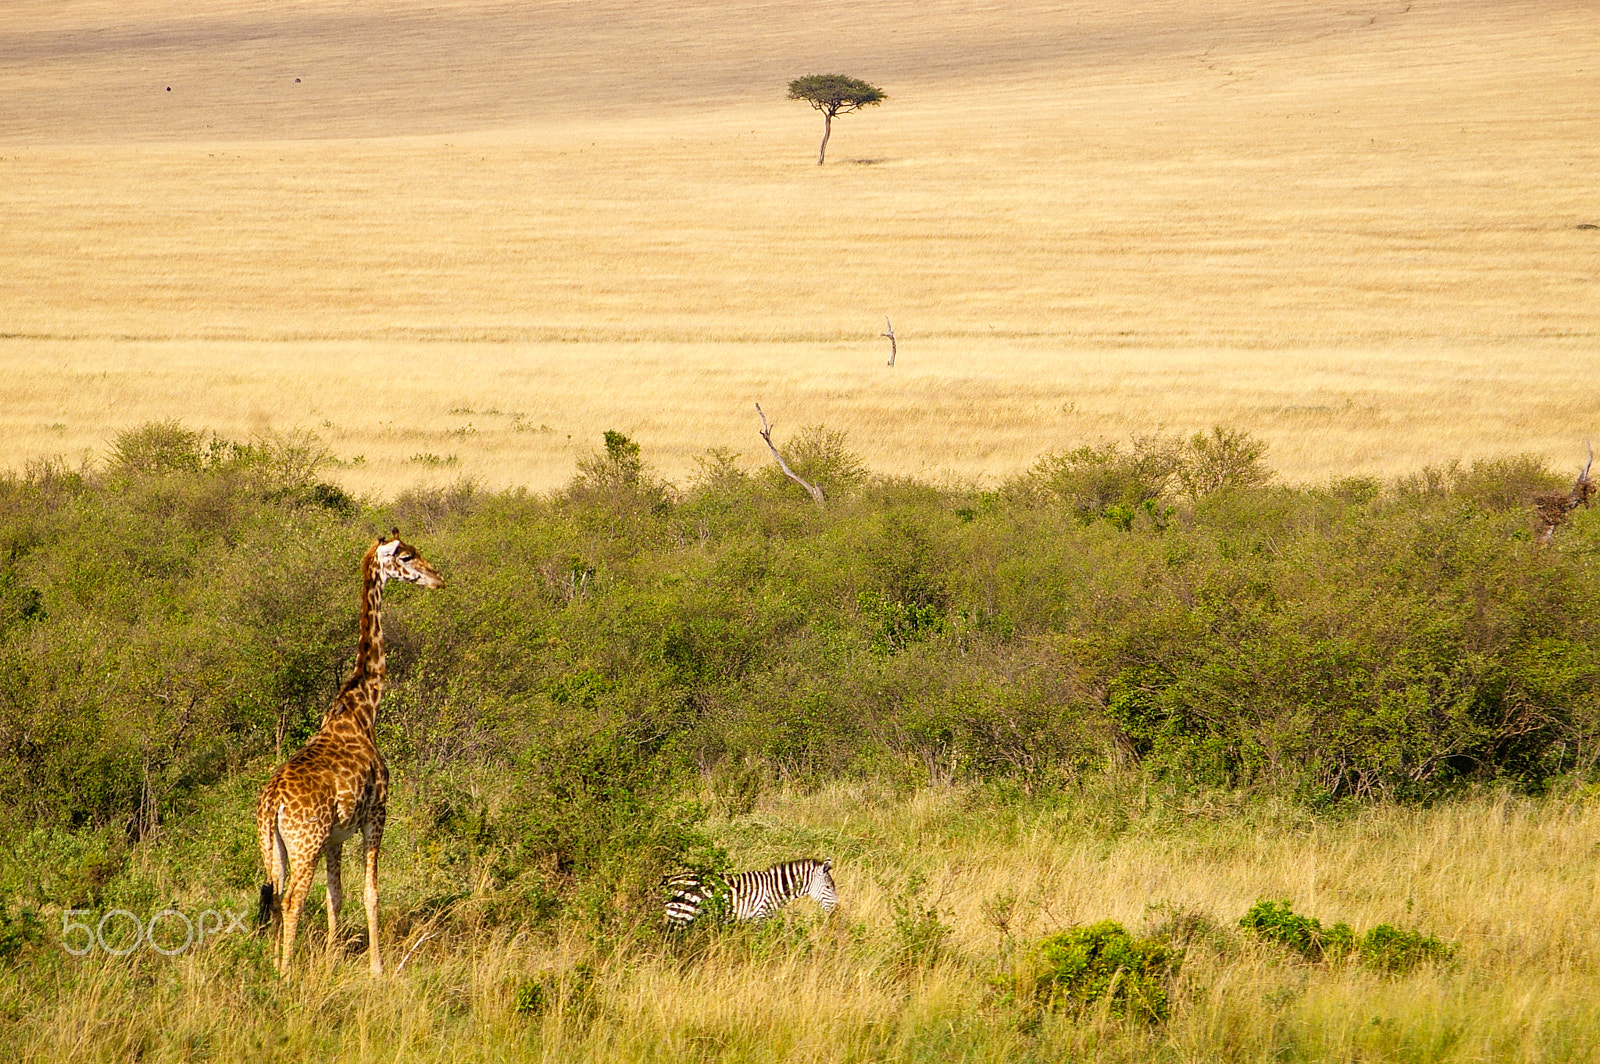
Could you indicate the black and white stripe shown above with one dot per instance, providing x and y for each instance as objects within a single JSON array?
[{"x": 749, "y": 895}]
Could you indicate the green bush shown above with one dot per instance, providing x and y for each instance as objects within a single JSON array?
[
  {"x": 18, "y": 932},
  {"x": 183, "y": 615},
  {"x": 1105, "y": 481},
  {"x": 895, "y": 625},
  {"x": 1102, "y": 965},
  {"x": 568, "y": 991},
  {"x": 1384, "y": 948},
  {"x": 919, "y": 929},
  {"x": 821, "y": 456},
  {"x": 1394, "y": 950},
  {"x": 1305, "y": 935},
  {"x": 594, "y": 812},
  {"x": 1225, "y": 459}
]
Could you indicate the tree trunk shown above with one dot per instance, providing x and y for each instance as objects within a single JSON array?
[{"x": 827, "y": 131}]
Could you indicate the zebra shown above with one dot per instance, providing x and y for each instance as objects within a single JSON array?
[{"x": 752, "y": 895}]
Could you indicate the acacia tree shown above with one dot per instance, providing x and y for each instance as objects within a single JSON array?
[{"x": 834, "y": 94}]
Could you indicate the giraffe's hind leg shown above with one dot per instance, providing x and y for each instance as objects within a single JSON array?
[{"x": 302, "y": 865}]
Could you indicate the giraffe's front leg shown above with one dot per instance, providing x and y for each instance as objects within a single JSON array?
[
  {"x": 334, "y": 854},
  {"x": 371, "y": 837}
]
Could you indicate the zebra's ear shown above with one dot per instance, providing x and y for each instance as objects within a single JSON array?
[{"x": 827, "y": 864}]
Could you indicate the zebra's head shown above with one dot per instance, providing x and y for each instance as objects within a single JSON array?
[{"x": 821, "y": 889}]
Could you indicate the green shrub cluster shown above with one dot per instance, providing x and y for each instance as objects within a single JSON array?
[
  {"x": 1397, "y": 950},
  {"x": 569, "y": 990},
  {"x": 920, "y": 931},
  {"x": 1305, "y": 935},
  {"x": 1102, "y": 965},
  {"x": 18, "y": 931},
  {"x": 174, "y": 623},
  {"x": 1384, "y": 948}
]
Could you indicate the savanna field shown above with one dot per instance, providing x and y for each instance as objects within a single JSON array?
[{"x": 1183, "y": 573}]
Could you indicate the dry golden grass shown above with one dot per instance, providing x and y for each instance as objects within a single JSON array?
[
  {"x": 489, "y": 232},
  {"x": 1352, "y": 232},
  {"x": 1499, "y": 876}
]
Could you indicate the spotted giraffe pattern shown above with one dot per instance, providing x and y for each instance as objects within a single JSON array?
[{"x": 337, "y": 784}]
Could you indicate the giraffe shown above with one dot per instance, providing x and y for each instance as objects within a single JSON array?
[{"x": 337, "y": 784}]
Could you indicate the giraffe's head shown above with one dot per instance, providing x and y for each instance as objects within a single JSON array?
[{"x": 400, "y": 561}]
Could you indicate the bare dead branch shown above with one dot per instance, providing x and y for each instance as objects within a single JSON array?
[
  {"x": 1555, "y": 507},
  {"x": 766, "y": 434},
  {"x": 890, "y": 334},
  {"x": 413, "y": 949}
]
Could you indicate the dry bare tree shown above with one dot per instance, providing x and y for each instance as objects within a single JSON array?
[
  {"x": 1554, "y": 507},
  {"x": 766, "y": 434}
]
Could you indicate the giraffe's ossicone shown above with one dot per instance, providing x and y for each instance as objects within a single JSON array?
[{"x": 337, "y": 784}]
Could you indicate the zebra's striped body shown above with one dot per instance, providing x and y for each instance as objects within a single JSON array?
[{"x": 749, "y": 895}]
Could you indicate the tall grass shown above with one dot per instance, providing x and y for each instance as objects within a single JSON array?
[{"x": 1492, "y": 872}]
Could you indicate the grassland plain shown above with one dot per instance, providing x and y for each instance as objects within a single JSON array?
[
  {"x": 1495, "y": 874},
  {"x": 471, "y": 237}
]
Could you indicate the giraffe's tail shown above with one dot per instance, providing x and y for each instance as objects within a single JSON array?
[
  {"x": 277, "y": 862},
  {"x": 269, "y": 898}
]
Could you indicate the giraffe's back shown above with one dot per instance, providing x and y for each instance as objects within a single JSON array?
[{"x": 334, "y": 784}]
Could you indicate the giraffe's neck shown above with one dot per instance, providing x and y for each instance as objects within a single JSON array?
[{"x": 364, "y": 688}]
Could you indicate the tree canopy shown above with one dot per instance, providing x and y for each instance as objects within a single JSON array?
[{"x": 834, "y": 94}]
